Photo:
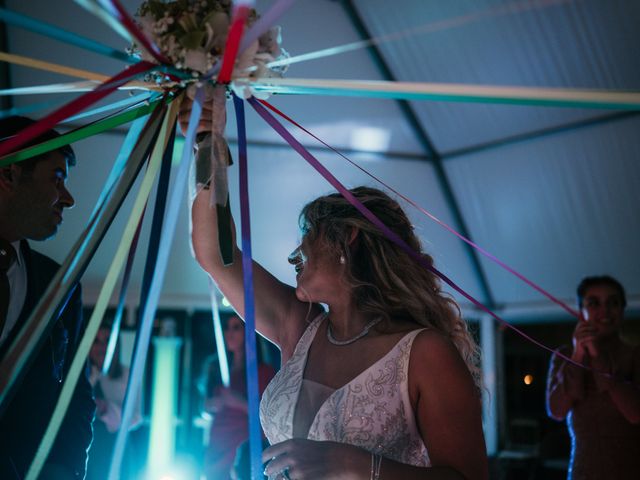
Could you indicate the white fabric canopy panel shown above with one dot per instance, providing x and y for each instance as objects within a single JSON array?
[
  {"x": 556, "y": 209},
  {"x": 280, "y": 184},
  {"x": 558, "y": 43}
]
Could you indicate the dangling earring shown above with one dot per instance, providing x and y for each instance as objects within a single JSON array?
[{"x": 342, "y": 260}]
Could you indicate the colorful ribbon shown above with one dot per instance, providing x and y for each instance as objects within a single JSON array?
[
  {"x": 163, "y": 185},
  {"x": 80, "y": 133},
  {"x": 122, "y": 297},
  {"x": 218, "y": 335},
  {"x": 297, "y": 146},
  {"x": 69, "y": 87},
  {"x": 99, "y": 11},
  {"x": 484, "y": 252},
  {"x": 121, "y": 160},
  {"x": 215, "y": 142},
  {"x": 150, "y": 306},
  {"x": 118, "y": 11},
  {"x": 28, "y": 109},
  {"x": 240, "y": 14},
  {"x": 51, "y": 31},
  {"x": 152, "y": 255},
  {"x": 125, "y": 104},
  {"x": 51, "y": 67},
  {"x": 550, "y": 97},
  {"x": 265, "y": 22},
  {"x": 253, "y": 394},
  {"x": 74, "y": 87},
  {"x": 79, "y": 360},
  {"x": 39, "y": 323},
  {"x": 430, "y": 27}
]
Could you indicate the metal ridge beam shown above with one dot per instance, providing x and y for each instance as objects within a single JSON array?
[{"x": 537, "y": 134}]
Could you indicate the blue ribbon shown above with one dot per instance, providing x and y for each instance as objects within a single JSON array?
[
  {"x": 253, "y": 395},
  {"x": 118, "y": 166}
]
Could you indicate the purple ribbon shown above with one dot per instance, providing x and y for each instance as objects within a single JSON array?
[
  {"x": 297, "y": 146},
  {"x": 484, "y": 252}
]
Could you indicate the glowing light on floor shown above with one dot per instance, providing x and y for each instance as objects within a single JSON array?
[
  {"x": 528, "y": 379},
  {"x": 162, "y": 436}
]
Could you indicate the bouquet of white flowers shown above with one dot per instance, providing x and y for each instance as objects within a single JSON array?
[{"x": 192, "y": 34}]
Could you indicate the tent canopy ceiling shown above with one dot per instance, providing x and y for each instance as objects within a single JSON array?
[{"x": 551, "y": 191}]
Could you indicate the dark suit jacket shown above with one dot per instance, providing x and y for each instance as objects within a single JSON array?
[{"x": 26, "y": 417}]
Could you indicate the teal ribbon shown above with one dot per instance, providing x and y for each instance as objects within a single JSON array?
[
  {"x": 37, "y": 26},
  {"x": 27, "y": 109}
]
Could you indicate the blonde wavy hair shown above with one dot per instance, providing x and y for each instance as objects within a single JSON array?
[{"x": 386, "y": 281}]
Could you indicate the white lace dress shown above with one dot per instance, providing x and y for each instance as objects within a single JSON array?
[{"x": 372, "y": 411}]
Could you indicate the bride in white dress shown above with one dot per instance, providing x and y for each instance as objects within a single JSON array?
[{"x": 383, "y": 385}]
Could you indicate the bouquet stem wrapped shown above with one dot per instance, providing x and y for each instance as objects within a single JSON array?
[{"x": 213, "y": 159}]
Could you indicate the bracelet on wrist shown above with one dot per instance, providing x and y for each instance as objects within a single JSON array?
[{"x": 376, "y": 461}]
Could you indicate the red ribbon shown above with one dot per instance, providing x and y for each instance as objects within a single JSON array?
[
  {"x": 73, "y": 107},
  {"x": 240, "y": 15}
]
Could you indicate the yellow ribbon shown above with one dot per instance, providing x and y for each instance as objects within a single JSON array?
[
  {"x": 51, "y": 67},
  {"x": 94, "y": 78}
]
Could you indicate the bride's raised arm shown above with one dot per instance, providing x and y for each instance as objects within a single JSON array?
[{"x": 280, "y": 315}]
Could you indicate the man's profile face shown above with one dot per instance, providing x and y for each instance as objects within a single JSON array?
[{"x": 40, "y": 196}]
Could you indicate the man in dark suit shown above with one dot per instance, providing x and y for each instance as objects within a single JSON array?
[{"x": 33, "y": 197}]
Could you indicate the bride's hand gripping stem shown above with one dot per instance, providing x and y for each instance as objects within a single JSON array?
[{"x": 209, "y": 171}]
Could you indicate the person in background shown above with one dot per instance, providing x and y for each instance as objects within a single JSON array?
[
  {"x": 600, "y": 402},
  {"x": 109, "y": 391},
  {"x": 33, "y": 197},
  {"x": 228, "y": 405}
]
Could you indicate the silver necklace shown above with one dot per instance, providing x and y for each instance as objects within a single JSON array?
[{"x": 364, "y": 332}]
